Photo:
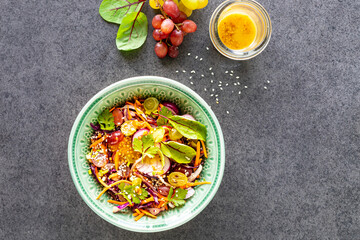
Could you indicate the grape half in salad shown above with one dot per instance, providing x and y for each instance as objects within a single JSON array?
[{"x": 147, "y": 156}]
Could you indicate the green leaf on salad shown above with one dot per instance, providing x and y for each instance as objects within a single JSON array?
[
  {"x": 188, "y": 128},
  {"x": 158, "y": 134},
  {"x": 147, "y": 141},
  {"x": 164, "y": 111},
  {"x": 106, "y": 120},
  {"x": 179, "y": 196},
  {"x": 180, "y": 193},
  {"x": 171, "y": 191},
  {"x": 137, "y": 145},
  {"x": 115, "y": 10},
  {"x": 132, "y": 31},
  {"x": 180, "y": 153},
  {"x": 151, "y": 152}
]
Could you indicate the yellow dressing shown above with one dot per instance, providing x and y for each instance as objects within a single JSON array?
[{"x": 237, "y": 31}]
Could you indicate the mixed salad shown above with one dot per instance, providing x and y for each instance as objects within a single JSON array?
[{"x": 147, "y": 156}]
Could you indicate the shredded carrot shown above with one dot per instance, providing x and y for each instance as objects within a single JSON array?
[
  {"x": 112, "y": 109},
  {"x": 130, "y": 117},
  {"x": 103, "y": 148},
  {"x": 111, "y": 185},
  {"x": 99, "y": 179},
  {"x": 98, "y": 141},
  {"x": 113, "y": 175},
  {"x": 197, "y": 160},
  {"x": 137, "y": 211},
  {"x": 135, "y": 214},
  {"x": 204, "y": 148},
  {"x": 116, "y": 159},
  {"x": 166, "y": 207},
  {"x": 147, "y": 213},
  {"x": 116, "y": 202},
  {"x": 150, "y": 199},
  {"x": 129, "y": 103},
  {"x": 138, "y": 217}
]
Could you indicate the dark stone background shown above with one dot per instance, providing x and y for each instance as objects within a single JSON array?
[{"x": 292, "y": 150}]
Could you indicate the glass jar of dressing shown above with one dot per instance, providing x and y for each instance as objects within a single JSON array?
[{"x": 240, "y": 29}]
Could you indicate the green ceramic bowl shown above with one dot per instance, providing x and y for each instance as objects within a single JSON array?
[{"x": 116, "y": 94}]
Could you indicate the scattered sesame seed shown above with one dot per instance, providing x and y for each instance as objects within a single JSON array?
[
  {"x": 177, "y": 71},
  {"x": 190, "y": 77},
  {"x": 202, "y": 75},
  {"x": 189, "y": 54},
  {"x": 227, "y": 84},
  {"x": 212, "y": 73},
  {"x": 207, "y": 48},
  {"x": 205, "y": 89},
  {"x": 192, "y": 71},
  {"x": 217, "y": 99},
  {"x": 196, "y": 57},
  {"x": 200, "y": 59},
  {"x": 231, "y": 74},
  {"x": 211, "y": 81},
  {"x": 265, "y": 87},
  {"x": 227, "y": 112},
  {"x": 216, "y": 95},
  {"x": 191, "y": 83},
  {"x": 245, "y": 87},
  {"x": 217, "y": 102},
  {"x": 220, "y": 81},
  {"x": 211, "y": 95},
  {"x": 238, "y": 83},
  {"x": 232, "y": 91},
  {"x": 210, "y": 68},
  {"x": 232, "y": 71},
  {"x": 221, "y": 88},
  {"x": 235, "y": 84},
  {"x": 237, "y": 77},
  {"x": 184, "y": 71},
  {"x": 213, "y": 90},
  {"x": 239, "y": 92},
  {"x": 226, "y": 71},
  {"x": 268, "y": 81},
  {"x": 219, "y": 85}
]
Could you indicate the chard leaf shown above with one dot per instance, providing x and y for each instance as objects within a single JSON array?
[
  {"x": 132, "y": 31},
  {"x": 180, "y": 153},
  {"x": 106, "y": 120},
  {"x": 188, "y": 128},
  {"x": 115, "y": 10}
]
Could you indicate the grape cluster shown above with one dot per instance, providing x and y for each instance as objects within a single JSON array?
[{"x": 170, "y": 27}]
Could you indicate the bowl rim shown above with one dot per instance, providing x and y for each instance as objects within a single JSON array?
[{"x": 125, "y": 83}]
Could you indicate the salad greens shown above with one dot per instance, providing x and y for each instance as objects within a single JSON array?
[
  {"x": 180, "y": 153},
  {"x": 178, "y": 198},
  {"x": 106, "y": 120}
]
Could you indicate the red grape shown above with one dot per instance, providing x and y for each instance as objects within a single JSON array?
[
  {"x": 157, "y": 20},
  {"x": 176, "y": 37},
  {"x": 161, "y": 49},
  {"x": 182, "y": 17},
  {"x": 189, "y": 26},
  {"x": 157, "y": 34},
  {"x": 173, "y": 51},
  {"x": 167, "y": 26},
  {"x": 115, "y": 137},
  {"x": 171, "y": 9}
]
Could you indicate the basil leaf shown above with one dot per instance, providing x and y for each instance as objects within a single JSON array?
[
  {"x": 137, "y": 145},
  {"x": 189, "y": 128},
  {"x": 180, "y": 153},
  {"x": 132, "y": 31},
  {"x": 115, "y": 10},
  {"x": 106, "y": 120},
  {"x": 164, "y": 111}
]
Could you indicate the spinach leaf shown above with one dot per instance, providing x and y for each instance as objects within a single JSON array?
[
  {"x": 132, "y": 31},
  {"x": 115, "y": 10},
  {"x": 106, "y": 120},
  {"x": 180, "y": 153}
]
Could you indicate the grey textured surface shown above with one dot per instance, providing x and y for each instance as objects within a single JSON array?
[{"x": 292, "y": 166}]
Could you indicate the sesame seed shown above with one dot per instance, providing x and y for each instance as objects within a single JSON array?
[
  {"x": 231, "y": 74},
  {"x": 238, "y": 83},
  {"x": 196, "y": 57},
  {"x": 177, "y": 71},
  {"x": 219, "y": 85},
  {"x": 237, "y": 77},
  {"x": 184, "y": 71},
  {"x": 232, "y": 71},
  {"x": 227, "y": 112},
  {"x": 232, "y": 91},
  {"x": 192, "y": 71},
  {"x": 221, "y": 88},
  {"x": 226, "y": 84},
  {"x": 211, "y": 81},
  {"x": 220, "y": 81},
  {"x": 226, "y": 71},
  {"x": 235, "y": 84},
  {"x": 216, "y": 95},
  {"x": 202, "y": 75},
  {"x": 191, "y": 83},
  {"x": 245, "y": 86},
  {"x": 189, "y": 54},
  {"x": 212, "y": 73},
  {"x": 217, "y": 99},
  {"x": 213, "y": 90},
  {"x": 210, "y": 68},
  {"x": 190, "y": 77},
  {"x": 268, "y": 81},
  {"x": 205, "y": 89},
  {"x": 200, "y": 59},
  {"x": 265, "y": 87},
  {"x": 239, "y": 92},
  {"x": 207, "y": 48},
  {"x": 211, "y": 95}
]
